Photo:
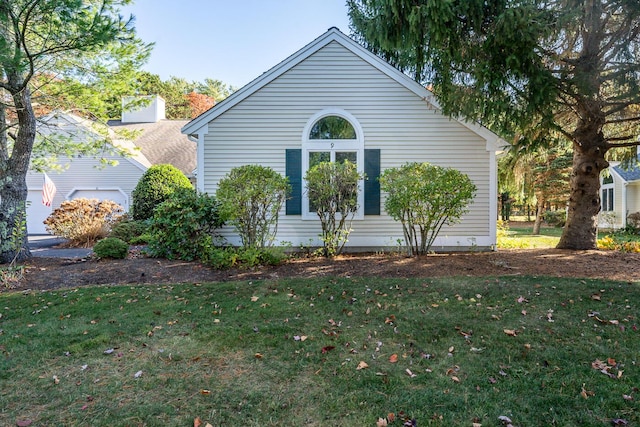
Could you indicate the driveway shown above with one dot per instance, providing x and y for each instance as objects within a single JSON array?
[{"x": 44, "y": 246}]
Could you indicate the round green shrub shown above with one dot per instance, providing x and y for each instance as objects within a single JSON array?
[
  {"x": 111, "y": 247},
  {"x": 183, "y": 227},
  {"x": 157, "y": 184},
  {"x": 129, "y": 230}
]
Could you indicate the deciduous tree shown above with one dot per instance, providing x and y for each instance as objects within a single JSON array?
[{"x": 40, "y": 38}]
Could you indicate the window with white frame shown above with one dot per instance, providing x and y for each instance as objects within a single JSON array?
[
  {"x": 332, "y": 135},
  {"x": 607, "y": 194}
]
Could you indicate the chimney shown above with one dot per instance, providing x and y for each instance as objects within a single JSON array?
[{"x": 143, "y": 109}]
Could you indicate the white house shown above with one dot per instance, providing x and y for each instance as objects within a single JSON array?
[
  {"x": 390, "y": 120},
  {"x": 619, "y": 195},
  {"x": 82, "y": 176}
]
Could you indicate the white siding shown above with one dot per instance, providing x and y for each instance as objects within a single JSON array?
[{"x": 393, "y": 118}]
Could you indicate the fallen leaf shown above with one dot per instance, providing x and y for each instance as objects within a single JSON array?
[
  {"x": 411, "y": 374},
  {"x": 627, "y": 397},
  {"x": 197, "y": 422},
  {"x": 586, "y": 393},
  {"x": 596, "y": 297},
  {"x": 511, "y": 332},
  {"x": 137, "y": 374},
  {"x": 327, "y": 349},
  {"x": 382, "y": 422},
  {"x": 254, "y": 299},
  {"x": 258, "y": 356},
  {"x": 393, "y": 358},
  {"x": 56, "y": 380},
  {"x": 362, "y": 365},
  {"x": 23, "y": 423},
  {"x": 205, "y": 392}
]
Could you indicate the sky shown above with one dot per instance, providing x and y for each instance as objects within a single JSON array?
[{"x": 233, "y": 41}]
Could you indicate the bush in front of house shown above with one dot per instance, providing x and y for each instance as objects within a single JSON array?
[
  {"x": 424, "y": 198},
  {"x": 155, "y": 186},
  {"x": 333, "y": 194},
  {"x": 251, "y": 197},
  {"x": 83, "y": 221},
  {"x": 111, "y": 247},
  {"x": 230, "y": 257},
  {"x": 132, "y": 231},
  {"x": 183, "y": 226}
]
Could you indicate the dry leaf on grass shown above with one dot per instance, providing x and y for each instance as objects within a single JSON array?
[{"x": 362, "y": 365}]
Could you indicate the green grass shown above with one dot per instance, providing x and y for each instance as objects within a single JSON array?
[
  {"x": 286, "y": 353},
  {"x": 521, "y": 237}
]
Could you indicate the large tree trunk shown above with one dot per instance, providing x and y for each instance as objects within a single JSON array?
[
  {"x": 13, "y": 183},
  {"x": 581, "y": 229}
]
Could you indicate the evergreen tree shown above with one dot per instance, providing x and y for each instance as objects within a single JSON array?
[{"x": 522, "y": 66}]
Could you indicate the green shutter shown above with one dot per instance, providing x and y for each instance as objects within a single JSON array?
[
  {"x": 293, "y": 171},
  {"x": 372, "y": 184}
]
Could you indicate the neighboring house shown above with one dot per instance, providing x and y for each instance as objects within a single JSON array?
[
  {"x": 386, "y": 118},
  {"x": 160, "y": 140},
  {"x": 82, "y": 176},
  {"x": 619, "y": 195}
]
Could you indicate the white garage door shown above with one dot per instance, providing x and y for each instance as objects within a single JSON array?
[
  {"x": 36, "y": 212},
  {"x": 115, "y": 195}
]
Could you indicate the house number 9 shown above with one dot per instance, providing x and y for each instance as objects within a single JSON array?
[{"x": 332, "y": 145}]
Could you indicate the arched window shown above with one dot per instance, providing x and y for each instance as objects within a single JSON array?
[
  {"x": 332, "y": 127},
  {"x": 332, "y": 135}
]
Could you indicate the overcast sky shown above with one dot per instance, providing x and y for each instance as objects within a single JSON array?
[{"x": 230, "y": 40}]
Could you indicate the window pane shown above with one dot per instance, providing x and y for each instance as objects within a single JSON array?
[
  {"x": 352, "y": 156},
  {"x": 610, "y": 199},
  {"x": 332, "y": 127},
  {"x": 316, "y": 157}
]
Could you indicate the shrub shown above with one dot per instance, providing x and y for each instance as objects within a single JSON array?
[
  {"x": 157, "y": 184},
  {"x": 425, "y": 197},
  {"x": 222, "y": 258},
  {"x": 83, "y": 221},
  {"x": 130, "y": 230},
  {"x": 111, "y": 247},
  {"x": 250, "y": 198},
  {"x": 182, "y": 226},
  {"x": 633, "y": 221},
  {"x": 333, "y": 193},
  {"x": 555, "y": 218}
]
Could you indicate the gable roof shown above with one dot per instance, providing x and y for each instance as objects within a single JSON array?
[
  {"x": 628, "y": 175},
  {"x": 162, "y": 143},
  {"x": 68, "y": 125},
  {"x": 199, "y": 124}
]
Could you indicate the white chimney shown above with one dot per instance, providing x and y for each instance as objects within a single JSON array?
[{"x": 143, "y": 109}]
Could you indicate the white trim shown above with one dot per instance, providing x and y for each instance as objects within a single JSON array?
[
  {"x": 200, "y": 162},
  {"x": 347, "y": 145}
]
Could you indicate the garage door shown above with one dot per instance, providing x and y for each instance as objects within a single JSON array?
[
  {"x": 36, "y": 212},
  {"x": 115, "y": 195}
]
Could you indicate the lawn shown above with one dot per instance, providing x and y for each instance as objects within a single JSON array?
[{"x": 324, "y": 352}]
